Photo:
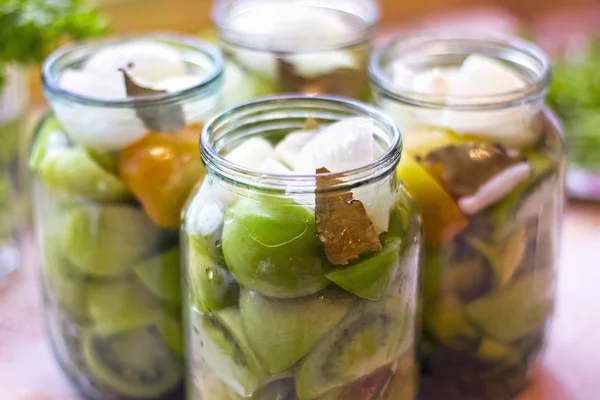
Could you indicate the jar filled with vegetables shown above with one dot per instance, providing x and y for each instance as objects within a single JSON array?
[
  {"x": 302, "y": 46},
  {"x": 301, "y": 256},
  {"x": 484, "y": 160},
  {"x": 113, "y": 166}
]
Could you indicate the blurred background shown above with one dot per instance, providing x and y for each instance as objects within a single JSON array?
[{"x": 552, "y": 22}]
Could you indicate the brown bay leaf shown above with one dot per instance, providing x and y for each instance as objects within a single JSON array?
[
  {"x": 161, "y": 118},
  {"x": 463, "y": 167},
  {"x": 343, "y": 81},
  {"x": 343, "y": 225}
]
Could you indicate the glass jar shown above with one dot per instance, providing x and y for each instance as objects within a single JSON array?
[
  {"x": 14, "y": 100},
  {"x": 300, "y": 46},
  {"x": 485, "y": 164},
  {"x": 283, "y": 282},
  {"x": 110, "y": 177}
]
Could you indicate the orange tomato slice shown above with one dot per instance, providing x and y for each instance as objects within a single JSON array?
[{"x": 161, "y": 169}]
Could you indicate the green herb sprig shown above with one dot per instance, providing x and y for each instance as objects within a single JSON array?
[
  {"x": 31, "y": 29},
  {"x": 575, "y": 95}
]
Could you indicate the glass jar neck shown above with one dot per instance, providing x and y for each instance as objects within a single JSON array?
[
  {"x": 276, "y": 116},
  {"x": 196, "y": 54},
  {"x": 360, "y": 16},
  {"x": 429, "y": 51}
]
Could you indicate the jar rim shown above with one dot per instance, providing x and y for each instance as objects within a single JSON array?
[
  {"x": 50, "y": 76},
  {"x": 268, "y": 107},
  {"x": 503, "y": 47},
  {"x": 369, "y": 14}
]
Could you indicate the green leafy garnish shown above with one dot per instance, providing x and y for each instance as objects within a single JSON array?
[
  {"x": 575, "y": 95},
  {"x": 31, "y": 29}
]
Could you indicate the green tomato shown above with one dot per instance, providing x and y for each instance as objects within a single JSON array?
[
  {"x": 212, "y": 286},
  {"x": 122, "y": 305},
  {"x": 64, "y": 282},
  {"x": 50, "y": 136},
  {"x": 108, "y": 240},
  {"x": 73, "y": 171},
  {"x": 241, "y": 85},
  {"x": 161, "y": 275},
  {"x": 272, "y": 247}
]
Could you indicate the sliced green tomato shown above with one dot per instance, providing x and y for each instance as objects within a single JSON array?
[
  {"x": 433, "y": 277},
  {"x": 211, "y": 284},
  {"x": 283, "y": 331},
  {"x": 172, "y": 333},
  {"x": 464, "y": 277},
  {"x": 421, "y": 141},
  {"x": 272, "y": 247},
  {"x": 107, "y": 240},
  {"x": 133, "y": 363},
  {"x": 161, "y": 275},
  {"x": 371, "y": 335},
  {"x": 65, "y": 282},
  {"x": 504, "y": 257},
  {"x": 541, "y": 163},
  {"x": 447, "y": 322},
  {"x": 120, "y": 305},
  {"x": 442, "y": 219},
  {"x": 107, "y": 160},
  {"x": 72, "y": 171},
  {"x": 493, "y": 350},
  {"x": 222, "y": 344},
  {"x": 400, "y": 220},
  {"x": 515, "y": 310},
  {"x": 49, "y": 132},
  {"x": 369, "y": 278}
]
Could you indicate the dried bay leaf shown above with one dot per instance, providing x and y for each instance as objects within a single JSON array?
[
  {"x": 343, "y": 81},
  {"x": 162, "y": 118},
  {"x": 463, "y": 167},
  {"x": 343, "y": 225}
]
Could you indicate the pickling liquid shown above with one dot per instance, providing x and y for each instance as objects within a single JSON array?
[{"x": 487, "y": 310}]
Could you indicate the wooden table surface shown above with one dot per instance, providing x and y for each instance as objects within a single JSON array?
[{"x": 570, "y": 368}]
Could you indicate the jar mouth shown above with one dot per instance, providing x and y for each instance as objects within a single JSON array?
[
  {"x": 365, "y": 12},
  {"x": 193, "y": 51},
  {"x": 289, "y": 113},
  {"x": 443, "y": 50}
]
